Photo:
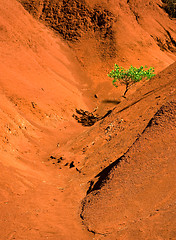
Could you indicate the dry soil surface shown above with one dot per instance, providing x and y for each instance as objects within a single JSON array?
[{"x": 59, "y": 179}]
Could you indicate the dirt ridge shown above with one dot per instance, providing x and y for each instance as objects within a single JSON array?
[
  {"x": 128, "y": 173},
  {"x": 103, "y": 176}
]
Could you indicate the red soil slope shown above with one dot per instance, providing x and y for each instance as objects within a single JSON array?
[
  {"x": 99, "y": 146},
  {"x": 104, "y": 32},
  {"x": 136, "y": 199},
  {"x": 47, "y": 158},
  {"x": 39, "y": 80},
  {"x": 39, "y": 92}
]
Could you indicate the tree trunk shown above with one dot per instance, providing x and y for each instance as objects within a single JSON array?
[{"x": 126, "y": 90}]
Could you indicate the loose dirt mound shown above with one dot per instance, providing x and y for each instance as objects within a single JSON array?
[{"x": 137, "y": 197}]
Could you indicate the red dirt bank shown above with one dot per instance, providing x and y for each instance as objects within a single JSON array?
[
  {"x": 136, "y": 197},
  {"x": 101, "y": 33},
  {"x": 43, "y": 80}
]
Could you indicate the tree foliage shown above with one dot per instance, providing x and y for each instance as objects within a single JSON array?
[{"x": 130, "y": 76}]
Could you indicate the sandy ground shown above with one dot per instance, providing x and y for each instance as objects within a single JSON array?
[{"x": 59, "y": 179}]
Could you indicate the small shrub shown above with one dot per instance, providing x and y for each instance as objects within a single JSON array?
[{"x": 130, "y": 76}]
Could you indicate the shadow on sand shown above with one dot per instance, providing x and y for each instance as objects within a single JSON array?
[{"x": 111, "y": 101}]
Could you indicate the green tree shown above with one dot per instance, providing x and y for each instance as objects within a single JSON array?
[{"x": 130, "y": 76}]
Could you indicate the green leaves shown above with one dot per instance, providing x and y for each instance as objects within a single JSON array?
[{"x": 130, "y": 76}]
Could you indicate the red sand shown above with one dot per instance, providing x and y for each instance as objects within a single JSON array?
[
  {"x": 49, "y": 161},
  {"x": 136, "y": 199}
]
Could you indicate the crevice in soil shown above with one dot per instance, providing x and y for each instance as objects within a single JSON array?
[
  {"x": 134, "y": 13},
  {"x": 171, "y": 39},
  {"x": 102, "y": 177},
  {"x": 167, "y": 44},
  {"x": 169, "y": 7}
]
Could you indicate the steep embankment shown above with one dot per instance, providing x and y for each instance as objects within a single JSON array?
[
  {"x": 134, "y": 192},
  {"x": 136, "y": 198},
  {"x": 39, "y": 78},
  {"x": 39, "y": 92},
  {"x": 102, "y": 144},
  {"x": 101, "y": 33}
]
